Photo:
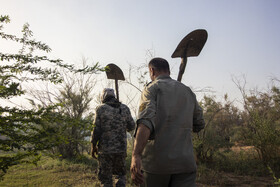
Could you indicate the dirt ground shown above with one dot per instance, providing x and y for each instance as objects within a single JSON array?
[{"x": 241, "y": 181}]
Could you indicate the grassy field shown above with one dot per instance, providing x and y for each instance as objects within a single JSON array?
[
  {"x": 236, "y": 170},
  {"x": 52, "y": 172}
]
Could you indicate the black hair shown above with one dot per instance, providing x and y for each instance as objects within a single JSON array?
[{"x": 159, "y": 64}]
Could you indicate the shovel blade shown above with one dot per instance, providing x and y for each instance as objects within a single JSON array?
[
  {"x": 114, "y": 72},
  {"x": 191, "y": 45}
]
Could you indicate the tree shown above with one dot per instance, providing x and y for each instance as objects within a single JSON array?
[
  {"x": 133, "y": 92},
  {"x": 75, "y": 95},
  {"x": 261, "y": 127},
  {"x": 220, "y": 119},
  {"x": 138, "y": 77},
  {"x": 262, "y": 122},
  {"x": 25, "y": 132}
]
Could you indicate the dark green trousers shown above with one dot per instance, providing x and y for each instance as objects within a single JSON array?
[
  {"x": 172, "y": 180},
  {"x": 109, "y": 165}
]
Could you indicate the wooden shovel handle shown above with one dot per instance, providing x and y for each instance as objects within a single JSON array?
[
  {"x": 182, "y": 68},
  {"x": 117, "y": 88}
]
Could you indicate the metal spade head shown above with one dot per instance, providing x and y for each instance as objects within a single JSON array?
[
  {"x": 114, "y": 72},
  {"x": 191, "y": 45}
]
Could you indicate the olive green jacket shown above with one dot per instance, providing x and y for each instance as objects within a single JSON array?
[{"x": 170, "y": 110}]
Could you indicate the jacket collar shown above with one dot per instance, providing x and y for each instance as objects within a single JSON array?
[{"x": 163, "y": 77}]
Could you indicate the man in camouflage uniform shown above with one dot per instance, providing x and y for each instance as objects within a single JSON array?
[{"x": 108, "y": 138}]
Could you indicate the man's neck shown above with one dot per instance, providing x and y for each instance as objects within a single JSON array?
[{"x": 162, "y": 74}]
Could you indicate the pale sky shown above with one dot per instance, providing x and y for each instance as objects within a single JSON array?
[{"x": 243, "y": 35}]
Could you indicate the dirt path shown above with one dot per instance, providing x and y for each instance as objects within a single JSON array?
[{"x": 228, "y": 179}]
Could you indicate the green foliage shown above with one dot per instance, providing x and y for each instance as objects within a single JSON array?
[
  {"x": 243, "y": 162},
  {"x": 22, "y": 131},
  {"x": 258, "y": 126},
  {"x": 276, "y": 180},
  {"x": 217, "y": 133},
  {"x": 74, "y": 133},
  {"x": 25, "y": 133},
  {"x": 262, "y": 126},
  {"x": 75, "y": 95}
]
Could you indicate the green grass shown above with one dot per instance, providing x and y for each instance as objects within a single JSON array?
[
  {"x": 81, "y": 172},
  {"x": 233, "y": 169},
  {"x": 53, "y": 172},
  {"x": 242, "y": 163}
]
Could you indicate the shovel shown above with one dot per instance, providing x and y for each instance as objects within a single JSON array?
[
  {"x": 114, "y": 72},
  {"x": 190, "y": 45}
]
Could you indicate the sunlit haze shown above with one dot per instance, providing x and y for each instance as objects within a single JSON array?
[{"x": 243, "y": 36}]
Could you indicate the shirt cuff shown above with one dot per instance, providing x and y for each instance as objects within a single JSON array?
[{"x": 148, "y": 124}]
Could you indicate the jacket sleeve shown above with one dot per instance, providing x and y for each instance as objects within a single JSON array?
[
  {"x": 198, "y": 120},
  {"x": 96, "y": 133},
  {"x": 147, "y": 109}
]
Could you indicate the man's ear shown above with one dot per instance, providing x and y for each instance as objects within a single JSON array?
[{"x": 152, "y": 70}]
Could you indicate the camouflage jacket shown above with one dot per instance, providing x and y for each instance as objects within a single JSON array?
[{"x": 111, "y": 122}]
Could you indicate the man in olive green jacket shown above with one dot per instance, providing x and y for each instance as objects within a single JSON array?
[{"x": 168, "y": 113}]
